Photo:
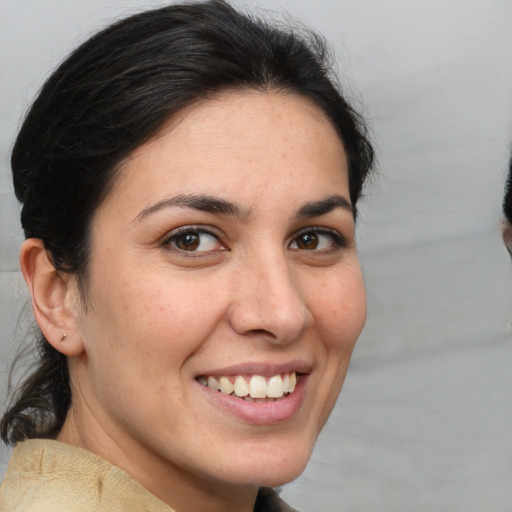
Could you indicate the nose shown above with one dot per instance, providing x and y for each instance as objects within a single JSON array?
[{"x": 269, "y": 301}]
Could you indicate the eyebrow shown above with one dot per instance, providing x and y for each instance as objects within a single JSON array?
[
  {"x": 220, "y": 206},
  {"x": 196, "y": 202},
  {"x": 324, "y": 206}
]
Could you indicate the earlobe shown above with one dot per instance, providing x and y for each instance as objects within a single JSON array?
[{"x": 54, "y": 301}]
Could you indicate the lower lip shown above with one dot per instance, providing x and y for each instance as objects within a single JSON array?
[{"x": 260, "y": 413}]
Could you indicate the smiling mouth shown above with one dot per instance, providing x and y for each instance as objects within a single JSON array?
[{"x": 254, "y": 388}]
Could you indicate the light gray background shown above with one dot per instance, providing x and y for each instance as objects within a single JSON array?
[{"x": 424, "y": 422}]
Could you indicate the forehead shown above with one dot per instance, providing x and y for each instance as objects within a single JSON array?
[
  {"x": 239, "y": 143},
  {"x": 246, "y": 119}
]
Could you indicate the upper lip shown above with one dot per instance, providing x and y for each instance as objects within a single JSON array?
[{"x": 259, "y": 368}]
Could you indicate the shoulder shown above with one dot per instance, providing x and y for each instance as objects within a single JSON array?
[{"x": 48, "y": 476}]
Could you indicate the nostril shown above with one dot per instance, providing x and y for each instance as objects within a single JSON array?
[{"x": 262, "y": 332}]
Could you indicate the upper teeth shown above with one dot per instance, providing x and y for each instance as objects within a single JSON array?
[{"x": 257, "y": 386}]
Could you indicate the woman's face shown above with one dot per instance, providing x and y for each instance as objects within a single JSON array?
[{"x": 223, "y": 256}]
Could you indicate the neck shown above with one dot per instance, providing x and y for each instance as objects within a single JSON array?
[{"x": 176, "y": 487}]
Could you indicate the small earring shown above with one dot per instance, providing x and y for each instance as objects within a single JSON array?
[{"x": 64, "y": 336}]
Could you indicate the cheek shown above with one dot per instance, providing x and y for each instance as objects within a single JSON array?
[
  {"x": 340, "y": 311},
  {"x": 340, "y": 314},
  {"x": 154, "y": 319}
]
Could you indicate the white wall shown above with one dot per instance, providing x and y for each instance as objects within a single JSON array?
[{"x": 424, "y": 421}]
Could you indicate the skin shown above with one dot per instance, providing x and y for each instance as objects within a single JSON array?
[{"x": 253, "y": 292}]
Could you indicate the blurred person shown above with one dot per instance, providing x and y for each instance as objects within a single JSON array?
[{"x": 507, "y": 211}]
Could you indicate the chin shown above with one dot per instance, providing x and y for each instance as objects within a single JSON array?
[
  {"x": 271, "y": 468},
  {"x": 280, "y": 478}
]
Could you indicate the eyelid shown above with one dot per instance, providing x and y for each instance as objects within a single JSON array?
[
  {"x": 339, "y": 241},
  {"x": 194, "y": 228}
]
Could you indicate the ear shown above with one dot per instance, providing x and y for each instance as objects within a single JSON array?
[{"x": 54, "y": 298}]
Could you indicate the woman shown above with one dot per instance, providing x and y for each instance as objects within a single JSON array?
[{"x": 189, "y": 179}]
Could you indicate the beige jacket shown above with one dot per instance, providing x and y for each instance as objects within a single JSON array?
[{"x": 49, "y": 476}]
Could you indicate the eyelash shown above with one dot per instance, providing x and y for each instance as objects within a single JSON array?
[
  {"x": 194, "y": 230},
  {"x": 337, "y": 240}
]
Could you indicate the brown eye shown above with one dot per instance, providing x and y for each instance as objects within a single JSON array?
[
  {"x": 187, "y": 241},
  {"x": 319, "y": 240},
  {"x": 194, "y": 240},
  {"x": 307, "y": 241}
]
